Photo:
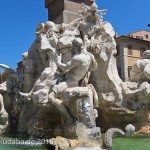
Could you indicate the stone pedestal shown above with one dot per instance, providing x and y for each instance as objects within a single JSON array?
[
  {"x": 79, "y": 102},
  {"x": 64, "y": 11}
]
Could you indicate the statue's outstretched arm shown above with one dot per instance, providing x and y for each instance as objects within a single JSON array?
[{"x": 71, "y": 64}]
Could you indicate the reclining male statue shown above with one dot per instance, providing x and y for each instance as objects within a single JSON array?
[{"x": 75, "y": 70}]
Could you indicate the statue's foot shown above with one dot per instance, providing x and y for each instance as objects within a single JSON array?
[{"x": 25, "y": 95}]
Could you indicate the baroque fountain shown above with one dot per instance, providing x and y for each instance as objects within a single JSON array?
[{"x": 71, "y": 89}]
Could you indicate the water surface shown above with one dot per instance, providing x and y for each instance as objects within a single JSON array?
[{"x": 131, "y": 143}]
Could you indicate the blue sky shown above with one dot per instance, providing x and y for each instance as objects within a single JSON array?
[{"x": 19, "y": 19}]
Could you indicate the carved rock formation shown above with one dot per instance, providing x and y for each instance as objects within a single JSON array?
[{"x": 109, "y": 135}]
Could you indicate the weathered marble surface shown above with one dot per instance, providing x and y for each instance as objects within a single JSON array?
[
  {"x": 3, "y": 116},
  {"x": 9, "y": 109},
  {"x": 129, "y": 130},
  {"x": 109, "y": 135},
  {"x": 79, "y": 101},
  {"x": 141, "y": 68}
]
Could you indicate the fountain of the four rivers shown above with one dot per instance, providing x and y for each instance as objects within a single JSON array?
[{"x": 72, "y": 91}]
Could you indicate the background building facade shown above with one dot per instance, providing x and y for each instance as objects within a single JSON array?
[
  {"x": 20, "y": 71},
  {"x": 130, "y": 48}
]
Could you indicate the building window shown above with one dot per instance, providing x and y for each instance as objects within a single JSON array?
[
  {"x": 146, "y": 36},
  {"x": 142, "y": 51},
  {"x": 118, "y": 50},
  {"x": 130, "y": 51},
  {"x": 129, "y": 71}
]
